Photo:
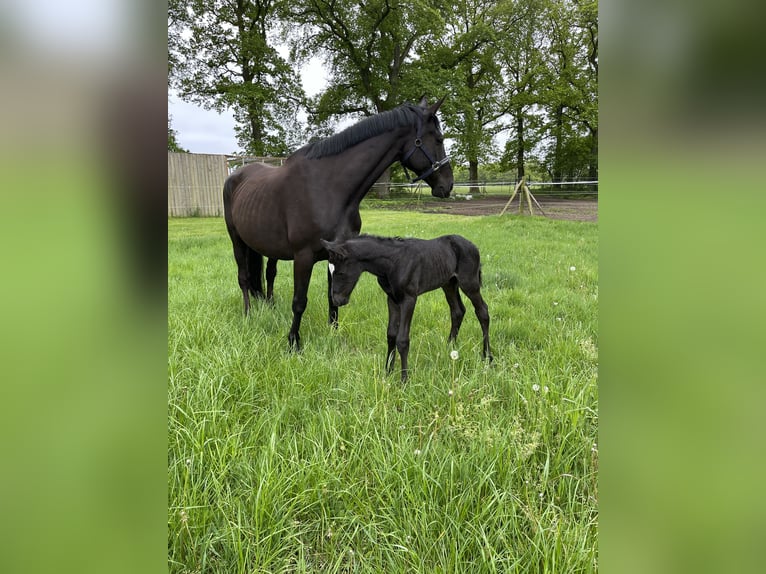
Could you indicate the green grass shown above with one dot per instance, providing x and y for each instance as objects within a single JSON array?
[{"x": 319, "y": 462}]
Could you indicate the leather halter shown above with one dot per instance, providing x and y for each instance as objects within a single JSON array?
[{"x": 418, "y": 145}]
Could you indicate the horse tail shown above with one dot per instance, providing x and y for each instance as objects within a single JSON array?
[
  {"x": 228, "y": 191},
  {"x": 467, "y": 255},
  {"x": 255, "y": 271}
]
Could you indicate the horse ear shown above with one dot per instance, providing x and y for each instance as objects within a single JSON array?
[
  {"x": 423, "y": 101},
  {"x": 437, "y": 104}
]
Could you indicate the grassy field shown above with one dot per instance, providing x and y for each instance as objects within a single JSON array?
[{"x": 319, "y": 462}]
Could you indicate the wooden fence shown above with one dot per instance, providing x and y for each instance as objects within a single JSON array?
[{"x": 195, "y": 184}]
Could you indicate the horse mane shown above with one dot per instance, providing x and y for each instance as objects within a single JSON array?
[{"x": 404, "y": 115}]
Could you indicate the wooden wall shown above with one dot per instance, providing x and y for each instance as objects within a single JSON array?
[{"x": 195, "y": 184}]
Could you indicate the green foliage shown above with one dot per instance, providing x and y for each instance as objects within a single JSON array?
[
  {"x": 223, "y": 56},
  {"x": 318, "y": 461},
  {"x": 522, "y": 71},
  {"x": 172, "y": 142}
]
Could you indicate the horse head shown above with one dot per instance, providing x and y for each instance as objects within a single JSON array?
[{"x": 425, "y": 155}]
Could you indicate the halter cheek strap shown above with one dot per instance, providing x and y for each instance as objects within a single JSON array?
[{"x": 418, "y": 145}]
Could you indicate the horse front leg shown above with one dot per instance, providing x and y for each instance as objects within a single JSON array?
[
  {"x": 333, "y": 309},
  {"x": 302, "y": 266},
  {"x": 393, "y": 329},
  {"x": 406, "y": 308}
]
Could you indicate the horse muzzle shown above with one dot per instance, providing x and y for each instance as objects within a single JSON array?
[{"x": 339, "y": 300}]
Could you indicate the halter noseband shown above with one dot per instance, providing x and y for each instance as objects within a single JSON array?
[{"x": 418, "y": 145}]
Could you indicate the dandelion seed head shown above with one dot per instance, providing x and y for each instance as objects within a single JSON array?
[
  {"x": 573, "y": 268},
  {"x": 454, "y": 355},
  {"x": 535, "y": 387},
  {"x": 417, "y": 452}
]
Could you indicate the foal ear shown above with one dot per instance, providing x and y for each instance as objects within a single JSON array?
[
  {"x": 337, "y": 250},
  {"x": 423, "y": 101}
]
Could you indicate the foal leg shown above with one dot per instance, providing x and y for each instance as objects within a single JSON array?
[
  {"x": 393, "y": 329},
  {"x": 333, "y": 309},
  {"x": 302, "y": 266},
  {"x": 482, "y": 314},
  {"x": 406, "y": 308},
  {"x": 271, "y": 273},
  {"x": 456, "y": 307}
]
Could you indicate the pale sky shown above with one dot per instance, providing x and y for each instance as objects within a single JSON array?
[{"x": 204, "y": 131}]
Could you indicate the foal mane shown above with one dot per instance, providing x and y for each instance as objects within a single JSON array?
[{"x": 404, "y": 115}]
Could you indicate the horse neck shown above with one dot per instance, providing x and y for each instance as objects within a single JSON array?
[
  {"x": 381, "y": 152},
  {"x": 375, "y": 256}
]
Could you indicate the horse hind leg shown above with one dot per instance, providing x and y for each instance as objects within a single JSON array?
[
  {"x": 482, "y": 314},
  {"x": 472, "y": 289},
  {"x": 271, "y": 273},
  {"x": 456, "y": 307},
  {"x": 243, "y": 275},
  {"x": 255, "y": 273}
]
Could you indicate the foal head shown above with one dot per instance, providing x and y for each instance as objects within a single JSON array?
[
  {"x": 345, "y": 270},
  {"x": 425, "y": 155}
]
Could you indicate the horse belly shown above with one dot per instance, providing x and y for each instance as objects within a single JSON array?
[
  {"x": 435, "y": 270},
  {"x": 262, "y": 226}
]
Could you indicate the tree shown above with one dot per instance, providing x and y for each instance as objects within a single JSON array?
[
  {"x": 469, "y": 70},
  {"x": 222, "y": 55},
  {"x": 372, "y": 49},
  {"x": 523, "y": 67},
  {"x": 172, "y": 141},
  {"x": 571, "y": 96}
]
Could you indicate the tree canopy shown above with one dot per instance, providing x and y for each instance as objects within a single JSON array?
[{"x": 520, "y": 76}]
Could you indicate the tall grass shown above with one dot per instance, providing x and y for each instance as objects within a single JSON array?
[{"x": 320, "y": 462}]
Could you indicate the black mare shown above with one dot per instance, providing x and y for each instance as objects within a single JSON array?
[
  {"x": 406, "y": 268},
  {"x": 283, "y": 212}
]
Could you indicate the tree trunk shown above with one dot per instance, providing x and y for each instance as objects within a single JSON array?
[
  {"x": 559, "y": 135},
  {"x": 473, "y": 175},
  {"x": 382, "y": 187},
  {"x": 256, "y": 133},
  {"x": 593, "y": 164}
]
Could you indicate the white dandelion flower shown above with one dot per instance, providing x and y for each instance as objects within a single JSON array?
[
  {"x": 454, "y": 355},
  {"x": 417, "y": 452},
  {"x": 535, "y": 387}
]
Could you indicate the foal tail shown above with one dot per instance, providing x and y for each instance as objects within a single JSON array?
[{"x": 468, "y": 259}]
